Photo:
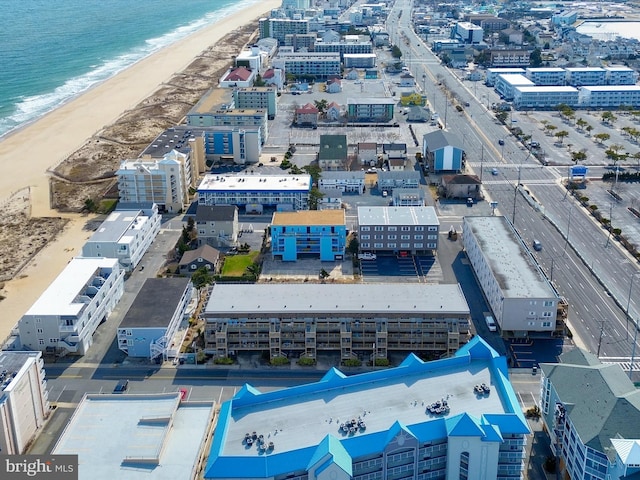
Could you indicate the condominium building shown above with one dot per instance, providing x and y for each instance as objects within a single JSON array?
[
  {"x": 346, "y": 182},
  {"x": 448, "y": 419},
  {"x": 493, "y": 73},
  {"x": 609, "y": 96},
  {"x": 318, "y": 65},
  {"x": 505, "y": 84},
  {"x": 468, "y": 32},
  {"x": 591, "y": 412},
  {"x": 523, "y": 301},
  {"x": 579, "y": 76},
  {"x": 343, "y": 48},
  {"x": 24, "y": 400},
  {"x": 240, "y": 145},
  {"x": 165, "y": 181},
  {"x": 309, "y": 233},
  {"x": 185, "y": 140},
  {"x": 279, "y": 28},
  {"x": 359, "y": 60},
  {"x": 510, "y": 57},
  {"x": 125, "y": 235},
  {"x": 352, "y": 320},
  {"x": 398, "y": 230},
  {"x": 547, "y": 76},
  {"x": 239, "y": 117},
  {"x": 391, "y": 180},
  {"x": 544, "y": 97},
  {"x": 370, "y": 109},
  {"x": 254, "y": 192},
  {"x": 301, "y": 41},
  {"x": 621, "y": 75},
  {"x": 258, "y": 98},
  {"x": 65, "y": 317},
  {"x": 408, "y": 197},
  {"x": 149, "y": 328},
  {"x": 333, "y": 152}
]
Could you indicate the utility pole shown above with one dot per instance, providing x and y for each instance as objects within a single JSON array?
[
  {"x": 633, "y": 276},
  {"x": 481, "y": 160},
  {"x": 633, "y": 350},
  {"x": 600, "y": 340}
]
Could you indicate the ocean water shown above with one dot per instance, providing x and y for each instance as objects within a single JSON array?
[
  {"x": 53, "y": 50},
  {"x": 609, "y": 31}
]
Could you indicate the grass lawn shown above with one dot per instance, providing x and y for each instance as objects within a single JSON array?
[{"x": 235, "y": 266}]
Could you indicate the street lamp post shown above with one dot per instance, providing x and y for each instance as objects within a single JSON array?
[
  {"x": 481, "y": 160},
  {"x": 633, "y": 276}
]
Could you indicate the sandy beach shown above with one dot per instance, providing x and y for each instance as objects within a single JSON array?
[{"x": 28, "y": 153}]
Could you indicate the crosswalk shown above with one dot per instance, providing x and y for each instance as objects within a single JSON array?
[{"x": 624, "y": 362}]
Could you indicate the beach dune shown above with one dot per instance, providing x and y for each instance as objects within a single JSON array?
[{"x": 29, "y": 152}]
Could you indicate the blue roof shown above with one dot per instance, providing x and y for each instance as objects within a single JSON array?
[{"x": 305, "y": 422}]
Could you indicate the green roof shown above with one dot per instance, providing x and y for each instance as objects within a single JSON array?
[{"x": 333, "y": 147}]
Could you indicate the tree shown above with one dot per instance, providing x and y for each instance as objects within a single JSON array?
[
  {"x": 535, "y": 59},
  {"x": 502, "y": 116},
  {"x": 323, "y": 274},
  {"x": 578, "y": 156},
  {"x": 315, "y": 196},
  {"x": 601, "y": 137},
  {"x": 259, "y": 82},
  {"x": 353, "y": 246},
  {"x": 588, "y": 128},
  {"x": 550, "y": 128},
  {"x": 613, "y": 153},
  {"x": 608, "y": 117},
  {"x": 90, "y": 205},
  {"x": 561, "y": 135},
  {"x": 396, "y": 52},
  {"x": 201, "y": 278},
  {"x": 445, "y": 59},
  {"x": 321, "y": 105},
  {"x": 313, "y": 170},
  {"x": 636, "y": 156},
  {"x": 581, "y": 123}
]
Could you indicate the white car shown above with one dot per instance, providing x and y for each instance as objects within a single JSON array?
[{"x": 367, "y": 256}]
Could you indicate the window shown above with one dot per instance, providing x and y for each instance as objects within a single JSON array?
[
  {"x": 546, "y": 314},
  {"x": 41, "y": 341},
  {"x": 39, "y": 330},
  {"x": 365, "y": 237},
  {"x": 548, "y": 303},
  {"x": 432, "y": 237},
  {"x": 53, "y": 341},
  {"x": 366, "y": 245},
  {"x": 378, "y": 229},
  {"x": 419, "y": 228},
  {"x": 418, "y": 237},
  {"x": 377, "y": 245},
  {"x": 546, "y": 324},
  {"x": 418, "y": 245},
  {"x": 405, "y": 237},
  {"x": 433, "y": 229},
  {"x": 392, "y": 237},
  {"x": 193, "y": 266},
  {"x": 405, "y": 245},
  {"x": 405, "y": 229},
  {"x": 532, "y": 314},
  {"x": 392, "y": 229},
  {"x": 128, "y": 333},
  {"x": 391, "y": 245},
  {"x": 365, "y": 229},
  {"x": 464, "y": 465}
]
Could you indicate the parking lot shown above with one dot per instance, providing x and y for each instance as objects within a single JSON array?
[{"x": 409, "y": 269}]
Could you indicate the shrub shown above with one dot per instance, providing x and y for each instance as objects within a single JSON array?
[
  {"x": 381, "y": 362},
  {"x": 306, "y": 361},
  {"x": 223, "y": 361},
  {"x": 279, "y": 361},
  {"x": 352, "y": 362},
  {"x": 593, "y": 207}
]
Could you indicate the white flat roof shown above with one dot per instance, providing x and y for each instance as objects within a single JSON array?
[
  {"x": 106, "y": 430},
  {"x": 304, "y": 421},
  {"x": 120, "y": 226},
  {"x": 348, "y": 298},
  {"x": 397, "y": 216},
  {"x": 59, "y": 298},
  {"x": 613, "y": 88},
  {"x": 545, "y": 69},
  {"x": 371, "y": 101},
  {"x": 515, "y": 79},
  {"x": 359, "y": 55},
  {"x": 255, "y": 182},
  {"x": 585, "y": 69},
  {"x": 546, "y": 89},
  {"x": 510, "y": 262}
]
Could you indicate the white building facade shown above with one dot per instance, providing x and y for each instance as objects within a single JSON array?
[
  {"x": 544, "y": 97},
  {"x": 125, "y": 235},
  {"x": 24, "y": 400},
  {"x": 65, "y": 317},
  {"x": 521, "y": 298}
]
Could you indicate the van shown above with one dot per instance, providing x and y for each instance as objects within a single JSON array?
[
  {"x": 491, "y": 323},
  {"x": 121, "y": 387}
]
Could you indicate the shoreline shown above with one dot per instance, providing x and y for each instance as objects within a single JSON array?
[
  {"x": 51, "y": 138},
  {"x": 30, "y": 151}
]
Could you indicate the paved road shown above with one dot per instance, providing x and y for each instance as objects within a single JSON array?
[{"x": 601, "y": 324}]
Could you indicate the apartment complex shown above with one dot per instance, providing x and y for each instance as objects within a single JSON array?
[
  {"x": 522, "y": 300},
  {"x": 309, "y": 233},
  {"x": 609, "y": 96},
  {"x": 240, "y": 145},
  {"x": 352, "y": 320},
  {"x": 505, "y": 84},
  {"x": 125, "y": 235},
  {"x": 493, "y": 73},
  {"x": 164, "y": 182},
  {"x": 346, "y": 182},
  {"x": 254, "y": 192},
  {"x": 591, "y": 412},
  {"x": 151, "y": 323},
  {"x": 240, "y": 117},
  {"x": 546, "y": 76},
  {"x": 279, "y": 28},
  {"x": 398, "y": 230},
  {"x": 24, "y": 400},
  {"x": 257, "y": 98},
  {"x": 318, "y": 65},
  {"x": 358, "y": 46},
  {"x": 392, "y": 180},
  {"x": 65, "y": 317},
  {"x": 453, "y": 418},
  {"x": 370, "y": 109},
  {"x": 544, "y": 97}
]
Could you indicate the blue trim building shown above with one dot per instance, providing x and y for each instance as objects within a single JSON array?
[
  {"x": 309, "y": 233},
  {"x": 447, "y": 419}
]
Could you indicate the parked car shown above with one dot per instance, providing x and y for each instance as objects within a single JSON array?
[
  {"x": 367, "y": 256},
  {"x": 537, "y": 246},
  {"x": 121, "y": 386},
  {"x": 494, "y": 171},
  {"x": 501, "y": 142}
]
